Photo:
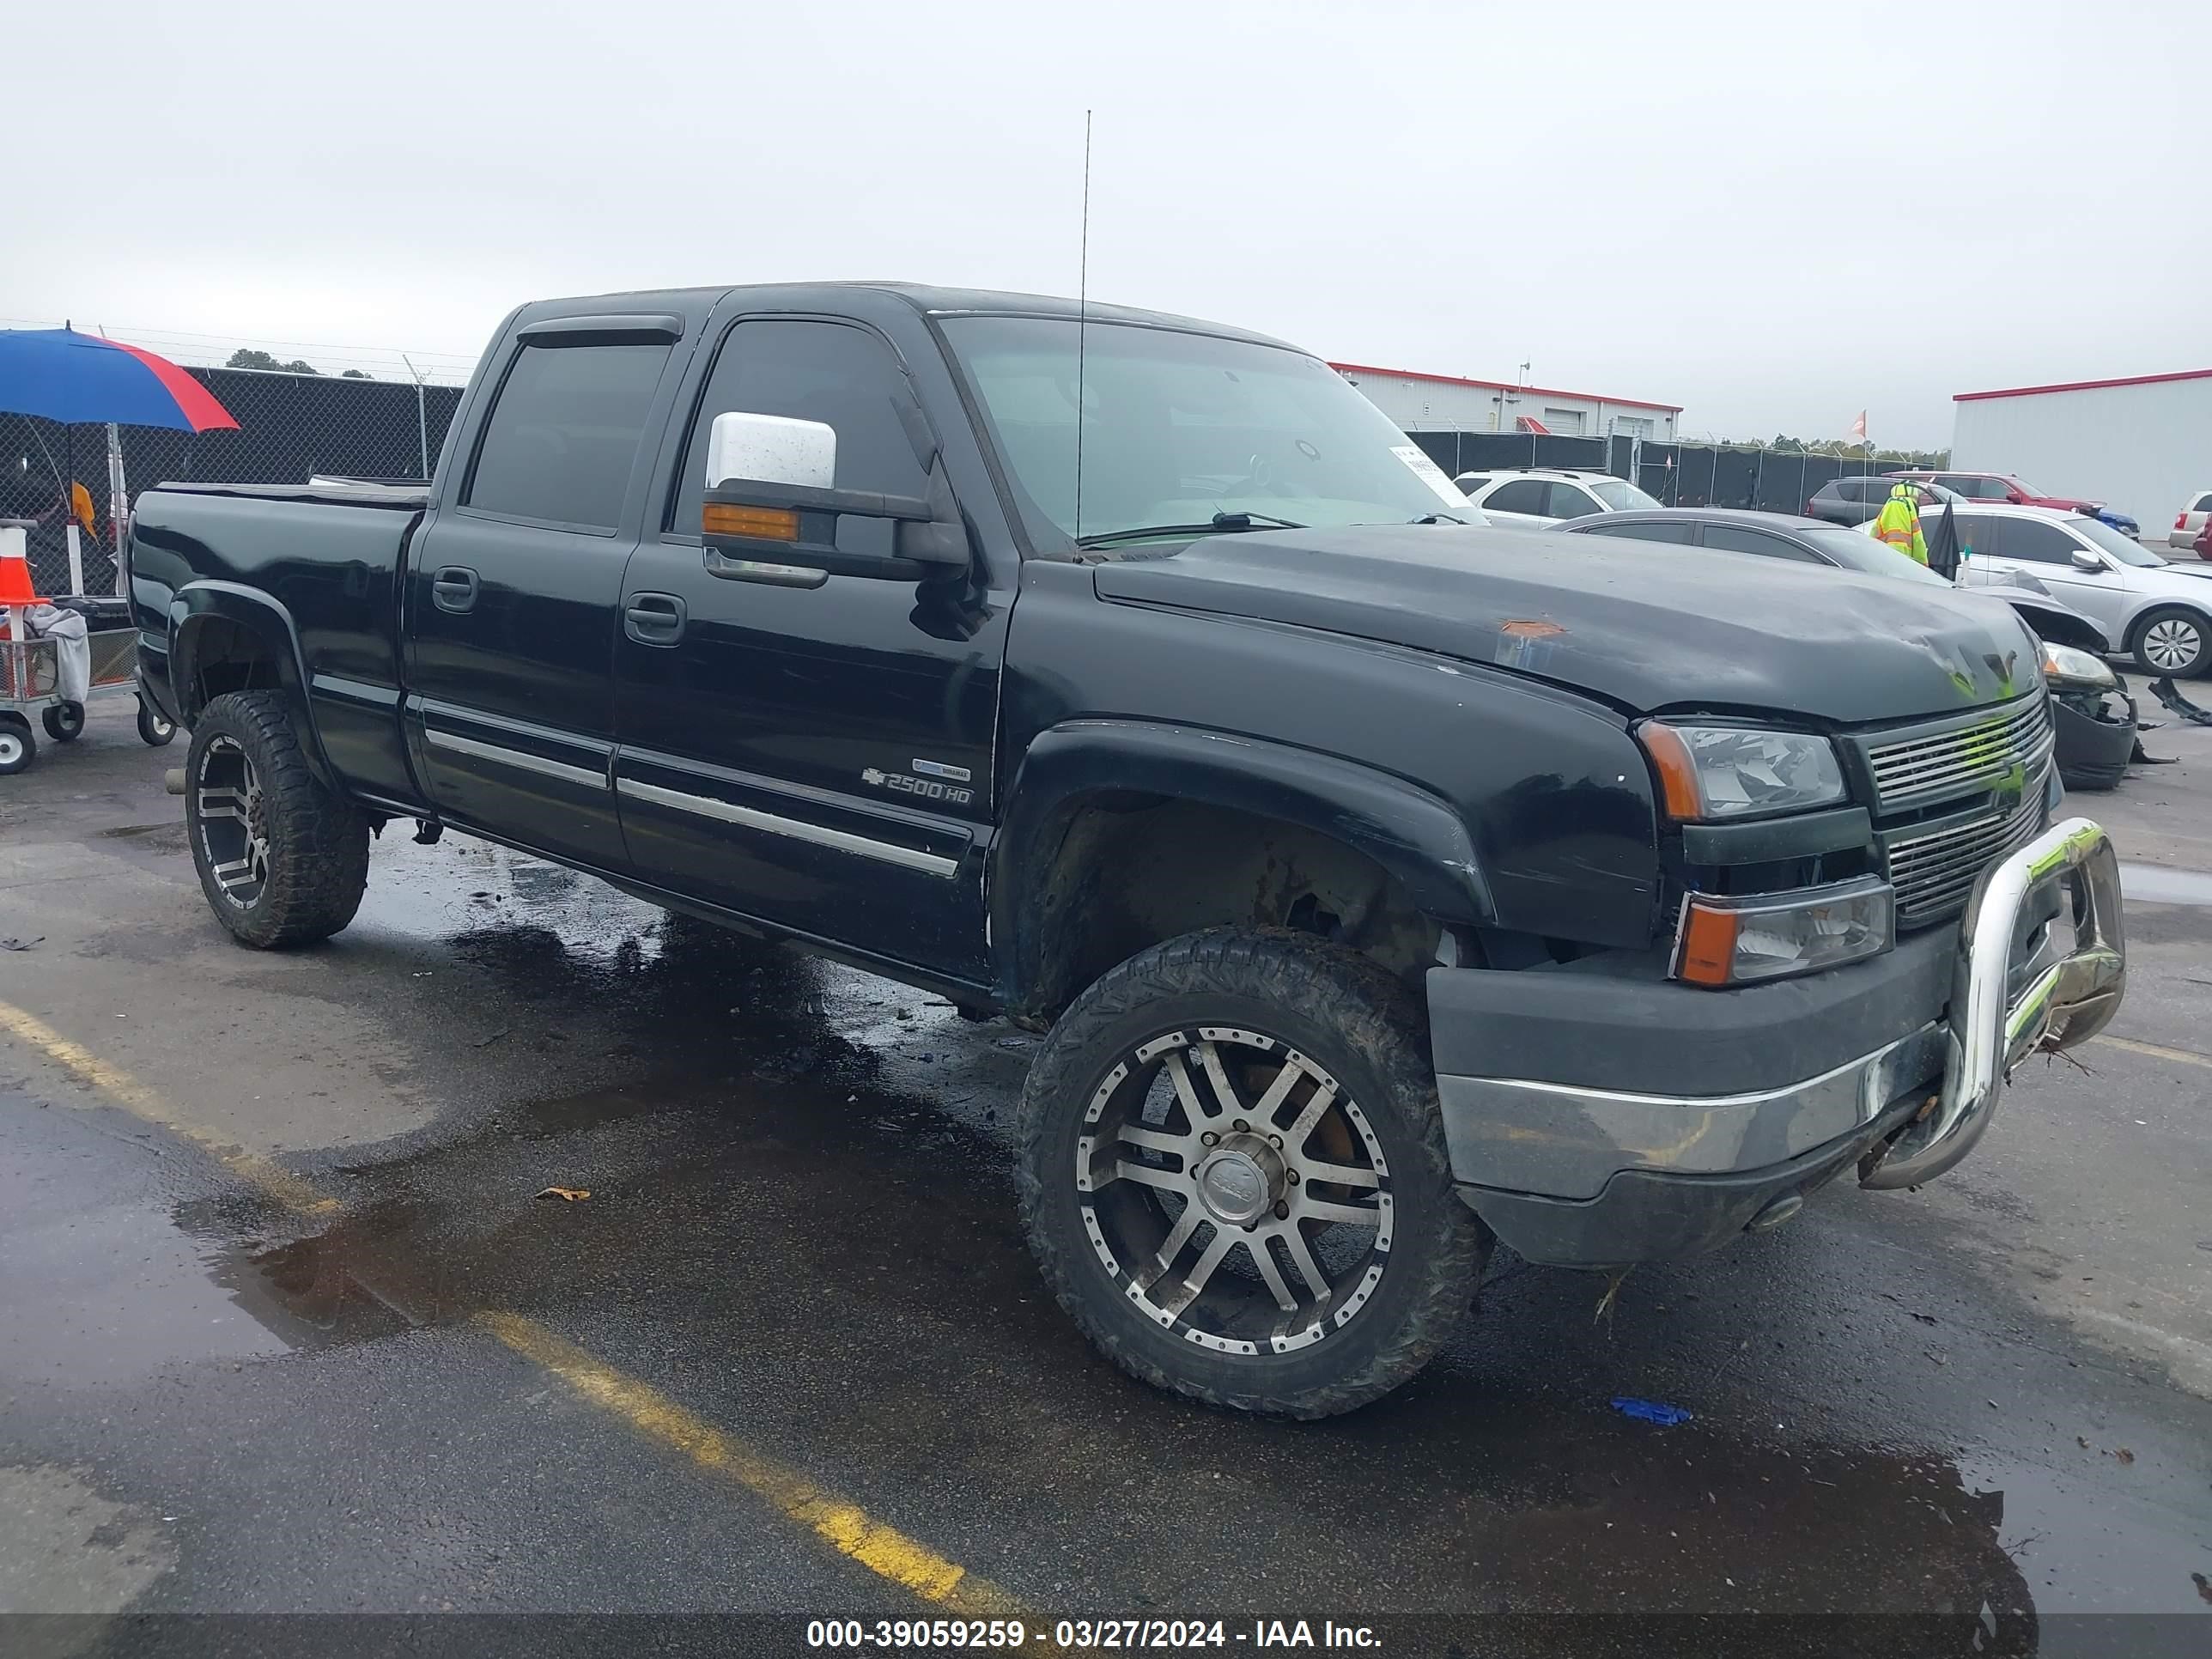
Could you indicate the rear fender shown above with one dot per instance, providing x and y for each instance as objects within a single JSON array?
[{"x": 194, "y": 610}]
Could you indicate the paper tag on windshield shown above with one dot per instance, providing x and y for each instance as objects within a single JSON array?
[{"x": 1418, "y": 463}]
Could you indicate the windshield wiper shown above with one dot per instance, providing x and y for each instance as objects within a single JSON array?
[{"x": 1220, "y": 521}]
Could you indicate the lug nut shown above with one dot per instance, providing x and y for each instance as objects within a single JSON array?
[
  {"x": 1209, "y": 1139},
  {"x": 1275, "y": 1140},
  {"x": 1282, "y": 1211},
  {"x": 1251, "y": 1226},
  {"x": 1294, "y": 1177},
  {"x": 1240, "y": 1126}
]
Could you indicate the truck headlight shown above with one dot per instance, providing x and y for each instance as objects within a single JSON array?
[
  {"x": 1739, "y": 771},
  {"x": 2064, "y": 666},
  {"x": 1741, "y": 940}
]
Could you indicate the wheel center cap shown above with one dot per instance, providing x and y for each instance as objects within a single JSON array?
[{"x": 1241, "y": 1181}]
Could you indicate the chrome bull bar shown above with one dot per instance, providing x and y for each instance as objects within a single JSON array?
[{"x": 2066, "y": 1002}]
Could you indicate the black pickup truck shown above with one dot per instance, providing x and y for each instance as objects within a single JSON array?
[{"x": 1384, "y": 882}]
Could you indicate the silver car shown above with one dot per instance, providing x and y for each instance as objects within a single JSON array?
[
  {"x": 2159, "y": 613},
  {"x": 1535, "y": 496}
]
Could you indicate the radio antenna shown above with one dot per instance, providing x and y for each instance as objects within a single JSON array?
[{"x": 1082, "y": 320}]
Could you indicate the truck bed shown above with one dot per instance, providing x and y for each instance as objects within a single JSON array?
[
  {"x": 333, "y": 492},
  {"x": 331, "y": 555}
]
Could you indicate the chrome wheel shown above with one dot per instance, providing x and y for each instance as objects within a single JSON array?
[
  {"x": 232, "y": 817},
  {"x": 1233, "y": 1191},
  {"x": 2171, "y": 643}
]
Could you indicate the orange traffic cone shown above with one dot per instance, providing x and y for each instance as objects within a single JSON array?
[{"x": 15, "y": 572}]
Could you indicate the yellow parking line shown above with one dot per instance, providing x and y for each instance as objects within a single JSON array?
[
  {"x": 883, "y": 1550},
  {"x": 2156, "y": 1051},
  {"x": 135, "y": 1097},
  {"x": 850, "y": 1529}
]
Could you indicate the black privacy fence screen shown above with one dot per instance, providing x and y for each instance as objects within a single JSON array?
[
  {"x": 1678, "y": 474},
  {"x": 290, "y": 428}
]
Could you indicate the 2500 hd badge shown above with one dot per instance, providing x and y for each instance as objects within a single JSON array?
[{"x": 928, "y": 788}]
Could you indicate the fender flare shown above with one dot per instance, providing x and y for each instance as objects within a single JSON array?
[
  {"x": 199, "y": 603},
  {"x": 1413, "y": 834}
]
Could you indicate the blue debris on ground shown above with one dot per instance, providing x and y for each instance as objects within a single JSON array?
[{"x": 1651, "y": 1411}]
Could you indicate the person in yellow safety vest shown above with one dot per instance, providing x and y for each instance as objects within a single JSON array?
[{"x": 1899, "y": 523}]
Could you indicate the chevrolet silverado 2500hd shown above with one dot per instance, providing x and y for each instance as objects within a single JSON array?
[{"x": 1383, "y": 884}]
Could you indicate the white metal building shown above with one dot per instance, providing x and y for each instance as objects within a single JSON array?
[
  {"x": 2143, "y": 445},
  {"x": 1417, "y": 402}
]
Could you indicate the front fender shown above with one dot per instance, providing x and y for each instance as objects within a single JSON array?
[
  {"x": 194, "y": 607},
  {"x": 1413, "y": 835}
]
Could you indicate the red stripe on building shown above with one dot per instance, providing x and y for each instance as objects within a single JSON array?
[
  {"x": 1502, "y": 385},
  {"x": 2083, "y": 385}
]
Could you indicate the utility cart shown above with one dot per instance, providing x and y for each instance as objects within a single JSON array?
[{"x": 34, "y": 690}]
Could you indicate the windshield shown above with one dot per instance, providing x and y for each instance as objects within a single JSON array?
[
  {"x": 1178, "y": 427},
  {"x": 1621, "y": 497},
  {"x": 2125, "y": 549},
  {"x": 1856, "y": 551}
]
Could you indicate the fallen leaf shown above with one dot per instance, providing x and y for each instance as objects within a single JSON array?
[
  {"x": 21, "y": 943},
  {"x": 574, "y": 1195},
  {"x": 2124, "y": 1455}
]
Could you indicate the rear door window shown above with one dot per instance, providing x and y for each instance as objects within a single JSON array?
[
  {"x": 1739, "y": 538},
  {"x": 1976, "y": 532},
  {"x": 1521, "y": 495},
  {"x": 563, "y": 435},
  {"x": 1570, "y": 501},
  {"x": 1646, "y": 530}
]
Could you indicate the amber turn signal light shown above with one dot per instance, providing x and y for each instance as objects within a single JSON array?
[
  {"x": 1678, "y": 772},
  {"x": 767, "y": 524},
  {"x": 1707, "y": 945}
]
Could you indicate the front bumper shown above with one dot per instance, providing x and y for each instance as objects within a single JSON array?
[
  {"x": 1573, "y": 1168},
  {"x": 2093, "y": 749}
]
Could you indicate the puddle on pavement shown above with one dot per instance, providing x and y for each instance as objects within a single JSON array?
[
  {"x": 2154, "y": 884},
  {"x": 113, "y": 1287},
  {"x": 802, "y": 1232}
]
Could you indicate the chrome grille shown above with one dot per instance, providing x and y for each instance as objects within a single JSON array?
[
  {"x": 1919, "y": 771},
  {"x": 1934, "y": 869}
]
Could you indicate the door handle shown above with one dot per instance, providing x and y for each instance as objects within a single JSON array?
[
  {"x": 453, "y": 588},
  {"x": 655, "y": 618}
]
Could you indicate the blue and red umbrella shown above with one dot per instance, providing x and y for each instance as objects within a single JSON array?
[{"x": 59, "y": 375}]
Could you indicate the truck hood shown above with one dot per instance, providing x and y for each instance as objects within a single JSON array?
[{"x": 1645, "y": 627}]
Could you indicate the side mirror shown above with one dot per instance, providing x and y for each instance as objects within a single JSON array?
[
  {"x": 2084, "y": 560},
  {"x": 770, "y": 449},
  {"x": 770, "y": 510}
]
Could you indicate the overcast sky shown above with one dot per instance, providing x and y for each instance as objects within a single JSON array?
[{"x": 1775, "y": 214}]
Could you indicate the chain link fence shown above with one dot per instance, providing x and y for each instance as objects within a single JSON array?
[
  {"x": 291, "y": 427},
  {"x": 1678, "y": 474}
]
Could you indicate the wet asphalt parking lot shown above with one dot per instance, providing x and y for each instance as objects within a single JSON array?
[{"x": 286, "y": 1329}]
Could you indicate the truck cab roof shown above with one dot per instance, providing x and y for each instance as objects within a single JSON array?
[{"x": 930, "y": 299}]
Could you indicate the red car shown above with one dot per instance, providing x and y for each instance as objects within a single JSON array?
[{"x": 2003, "y": 487}]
